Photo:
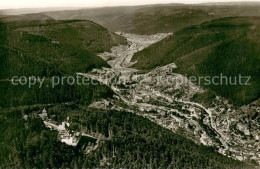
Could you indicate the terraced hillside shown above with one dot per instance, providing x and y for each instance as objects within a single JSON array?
[{"x": 229, "y": 46}]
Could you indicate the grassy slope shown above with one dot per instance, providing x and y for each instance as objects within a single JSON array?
[
  {"x": 229, "y": 46},
  {"x": 135, "y": 141}
]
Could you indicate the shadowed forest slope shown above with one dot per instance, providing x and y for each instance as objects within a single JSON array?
[{"x": 48, "y": 48}]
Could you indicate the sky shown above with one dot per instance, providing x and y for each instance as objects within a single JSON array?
[{"x": 9, "y": 4}]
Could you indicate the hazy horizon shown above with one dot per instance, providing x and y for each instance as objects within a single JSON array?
[{"x": 31, "y": 4}]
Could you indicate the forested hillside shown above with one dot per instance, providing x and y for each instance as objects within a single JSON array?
[
  {"x": 151, "y": 19},
  {"x": 229, "y": 46},
  {"x": 131, "y": 142},
  {"x": 18, "y": 95},
  {"x": 54, "y": 48},
  {"x": 133, "y": 125},
  {"x": 48, "y": 48},
  {"x": 25, "y": 18}
]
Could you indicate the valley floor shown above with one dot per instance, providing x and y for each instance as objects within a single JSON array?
[{"x": 165, "y": 98}]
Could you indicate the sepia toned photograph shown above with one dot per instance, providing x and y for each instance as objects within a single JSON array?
[{"x": 138, "y": 84}]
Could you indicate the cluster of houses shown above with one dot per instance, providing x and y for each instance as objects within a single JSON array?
[
  {"x": 67, "y": 136},
  {"x": 64, "y": 135}
]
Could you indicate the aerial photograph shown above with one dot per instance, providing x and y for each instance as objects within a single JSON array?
[{"x": 138, "y": 84}]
